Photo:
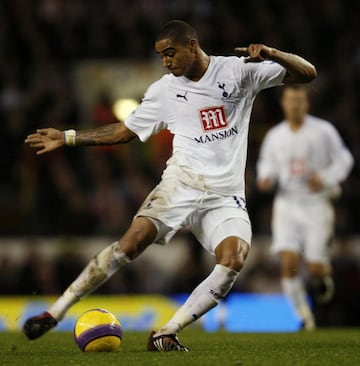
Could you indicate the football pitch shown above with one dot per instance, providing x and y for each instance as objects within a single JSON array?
[{"x": 323, "y": 347}]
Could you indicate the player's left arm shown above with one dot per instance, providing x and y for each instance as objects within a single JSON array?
[
  {"x": 342, "y": 160},
  {"x": 298, "y": 70}
]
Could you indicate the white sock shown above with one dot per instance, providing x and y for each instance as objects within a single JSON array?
[
  {"x": 99, "y": 269},
  {"x": 294, "y": 289},
  {"x": 206, "y": 296},
  {"x": 63, "y": 303}
]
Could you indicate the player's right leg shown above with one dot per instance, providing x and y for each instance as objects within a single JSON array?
[
  {"x": 137, "y": 238},
  {"x": 294, "y": 288},
  {"x": 286, "y": 243}
]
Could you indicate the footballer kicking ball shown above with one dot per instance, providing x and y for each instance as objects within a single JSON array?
[{"x": 98, "y": 330}]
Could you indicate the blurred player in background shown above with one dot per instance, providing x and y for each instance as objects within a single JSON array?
[
  {"x": 306, "y": 159},
  {"x": 206, "y": 102}
]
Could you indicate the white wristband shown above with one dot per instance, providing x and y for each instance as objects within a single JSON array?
[{"x": 70, "y": 137}]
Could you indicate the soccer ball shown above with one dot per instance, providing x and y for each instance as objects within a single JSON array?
[{"x": 98, "y": 330}]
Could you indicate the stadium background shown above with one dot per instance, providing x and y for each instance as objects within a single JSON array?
[{"x": 63, "y": 63}]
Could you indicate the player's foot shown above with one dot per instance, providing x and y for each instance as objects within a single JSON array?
[
  {"x": 165, "y": 343},
  {"x": 322, "y": 290},
  {"x": 36, "y": 326},
  {"x": 308, "y": 324}
]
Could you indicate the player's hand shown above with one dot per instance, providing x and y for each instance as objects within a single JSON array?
[
  {"x": 316, "y": 183},
  {"x": 45, "y": 140},
  {"x": 255, "y": 52},
  {"x": 266, "y": 184}
]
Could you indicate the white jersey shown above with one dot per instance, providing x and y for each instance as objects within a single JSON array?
[
  {"x": 209, "y": 119},
  {"x": 290, "y": 157}
]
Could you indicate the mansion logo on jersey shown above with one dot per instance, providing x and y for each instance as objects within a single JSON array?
[{"x": 213, "y": 118}]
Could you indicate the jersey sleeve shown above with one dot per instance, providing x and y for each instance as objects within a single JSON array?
[
  {"x": 151, "y": 115},
  {"x": 341, "y": 159},
  {"x": 266, "y": 164},
  {"x": 261, "y": 75}
]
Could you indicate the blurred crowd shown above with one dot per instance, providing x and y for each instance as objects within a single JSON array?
[{"x": 96, "y": 191}]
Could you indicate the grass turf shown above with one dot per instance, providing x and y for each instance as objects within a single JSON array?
[{"x": 325, "y": 347}]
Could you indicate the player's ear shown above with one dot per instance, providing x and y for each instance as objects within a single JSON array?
[{"x": 193, "y": 45}]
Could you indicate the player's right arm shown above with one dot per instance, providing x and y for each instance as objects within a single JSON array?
[
  {"x": 49, "y": 139},
  {"x": 266, "y": 166},
  {"x": 147, "y": 119}
]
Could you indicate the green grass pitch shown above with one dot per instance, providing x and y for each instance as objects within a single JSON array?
[{"x": 325, "y": 347}]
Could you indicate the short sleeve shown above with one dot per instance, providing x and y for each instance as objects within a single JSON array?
[
  {"x": 261, "y": 75},
  {"x": 151, "y": 115},
  {"x": 266, "y": 164}
]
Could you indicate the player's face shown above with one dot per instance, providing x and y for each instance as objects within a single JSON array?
[
  {"x": 295, "y": 104},
  {"x": 178, "y": 58}
]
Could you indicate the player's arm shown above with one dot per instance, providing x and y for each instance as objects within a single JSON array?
[
  {"x": 341, "y": 164},
  {"x": 49, "y": 139},
  {"x": 265, "y": 184},
  {"x": 266, "y": 167},
  {"x": 298, "y": 69}
]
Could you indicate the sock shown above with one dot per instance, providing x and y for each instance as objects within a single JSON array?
[
  {"x": 294, "y": 289},
  {"x": 206, "y": 296},
  {"x": 62, "y": 304},
  {"x": 99, "y": 269},
  {"x": 321, "y": 289}
]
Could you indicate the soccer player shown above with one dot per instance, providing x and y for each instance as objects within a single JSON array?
[
  {"x": 205, "y": 101},
  {"x": 306, "y": 159}
]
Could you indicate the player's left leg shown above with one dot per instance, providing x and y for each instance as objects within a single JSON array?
[
  {"x": 320, "y": 232},
  {"x": 230, "y": 257},
  {"x": 222, "y": 226},
  {"x": 320, "y": 285}
]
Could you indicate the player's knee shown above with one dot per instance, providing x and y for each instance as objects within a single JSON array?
[
  {"x": 318, "y": 269},
  {"x": 290, "y": 264},
  {"x": 289, "y": 271},
  {"x": 232, "y": 254},
  {"x": 233, "y": 262}
]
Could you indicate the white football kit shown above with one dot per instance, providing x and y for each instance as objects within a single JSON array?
[
  {"x": 302, "y": 219},
  {"x": 203, "y": 184}
]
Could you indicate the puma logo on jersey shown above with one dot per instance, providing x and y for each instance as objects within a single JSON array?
[
  {"x": 213, "y": 118},
  {"x": 149, "y": 204},
  {"x": 182, "y": 96}
]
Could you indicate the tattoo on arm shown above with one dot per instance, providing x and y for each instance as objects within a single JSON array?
[{"x": 104, "y": 135}]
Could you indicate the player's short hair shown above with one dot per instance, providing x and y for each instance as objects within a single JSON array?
[
  {"x": 178, "y": 31},
  {"x": 297, "y": 87}
]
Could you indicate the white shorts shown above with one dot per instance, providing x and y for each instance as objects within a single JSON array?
[
  {"x": 211, "y": 217},
  {"x": 303, "y": 227}
]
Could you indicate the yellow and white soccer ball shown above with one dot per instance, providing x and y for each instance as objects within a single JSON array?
[{"x": 98, "y": 330}]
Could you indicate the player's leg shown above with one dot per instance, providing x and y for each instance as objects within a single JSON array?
[
  {"x": 294, "y": 288},
  {"x": 318, "y": 239},
  {"x": 224, "y": 230},
  {"x": 103, "y": 265},
  {"x": 287, "y": 236},
  {"x": 230, "y": 257},
  {"x": 321, "y": 285}
]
